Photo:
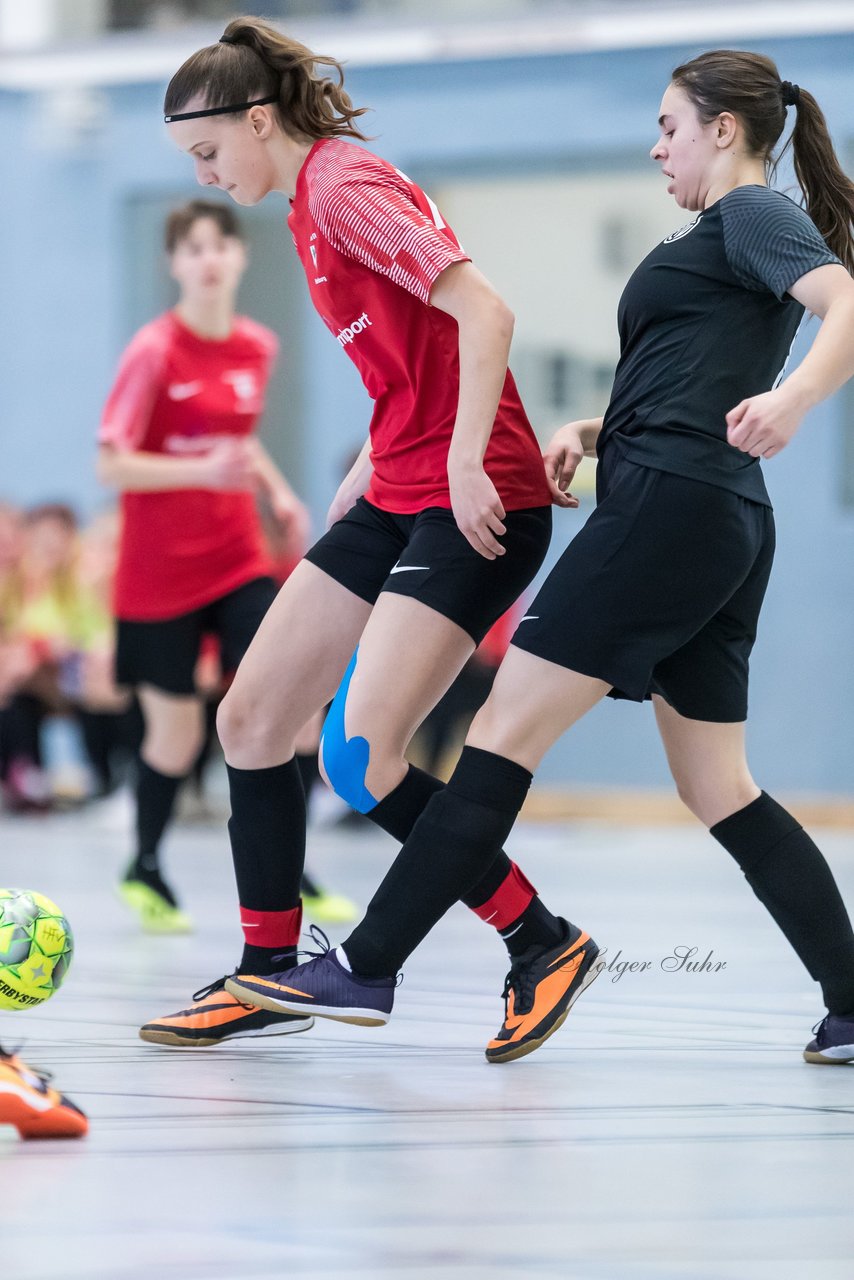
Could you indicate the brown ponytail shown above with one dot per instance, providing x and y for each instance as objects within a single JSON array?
[
  {"x": 254, "y": 60},
  {"x": 749, "y": 86},
  {"x": 828, "y": 190}
]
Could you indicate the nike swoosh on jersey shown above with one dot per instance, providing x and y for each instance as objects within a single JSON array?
[
  {"x": 410, "y": 568},
  {"x": 530, "y": 617},
  {"x": 183, "y": 390}
]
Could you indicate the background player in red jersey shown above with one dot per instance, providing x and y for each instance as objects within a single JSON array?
[
  {"x": 177, "y": 440},
  {"x": 442, "y": 521}
]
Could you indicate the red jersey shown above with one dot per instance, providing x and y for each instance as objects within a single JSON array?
[
  {"x": 372, "y": 246},
  {"x": 176, "y": 393}
]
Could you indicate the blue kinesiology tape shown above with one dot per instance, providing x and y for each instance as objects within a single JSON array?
[{"x": 345, "y": 760}]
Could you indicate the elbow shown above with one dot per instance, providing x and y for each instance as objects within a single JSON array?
[
  {"x": 503, "y": 319},
  {"x": 508, "y": 322}
]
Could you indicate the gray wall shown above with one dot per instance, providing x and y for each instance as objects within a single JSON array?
[{"x": 81, "y": 273}]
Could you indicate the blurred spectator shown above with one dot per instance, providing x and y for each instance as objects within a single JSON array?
[{"x": 55, "y": 653}]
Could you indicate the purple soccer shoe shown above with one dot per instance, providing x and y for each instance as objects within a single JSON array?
[
  {"x": 833, "y": 1045},
  {"x": 321, "y": 986}
]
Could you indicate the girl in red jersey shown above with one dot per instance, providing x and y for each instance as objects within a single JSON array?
[
  {"x": 441, "y": 523},
  {"x": 177, "y": 440}
]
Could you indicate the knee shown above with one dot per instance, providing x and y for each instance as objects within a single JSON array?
[
  {"x": 712, "y": 799},
  {"x": 244, "y": 725},
  {"x": 688, "y": 793},
  {"x": 230, "y": 722},
  {"x": 344, "y": 762},
  {"x": 172, "y": 753}
]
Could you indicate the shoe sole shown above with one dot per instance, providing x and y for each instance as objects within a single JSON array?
[
  {"x": 173, "y": 1040},
  {"x": 529, "y": 1046},
  {"x": 822, "y": 1061},
  {"x": 358, "y": 1017}
]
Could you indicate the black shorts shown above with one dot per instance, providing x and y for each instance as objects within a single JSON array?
[
  {"x": 426, "y": 557},
  {"x": 660, "y": 592},
  {"x": 164, "y": 653}
]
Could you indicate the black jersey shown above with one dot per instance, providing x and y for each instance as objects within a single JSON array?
[{"x": 704, "y": 322}]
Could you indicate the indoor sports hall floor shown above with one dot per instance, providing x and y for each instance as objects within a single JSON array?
[{"x": 670, "y": 1129}]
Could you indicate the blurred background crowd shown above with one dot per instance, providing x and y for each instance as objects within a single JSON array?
[{"x": 66, "y": 731}]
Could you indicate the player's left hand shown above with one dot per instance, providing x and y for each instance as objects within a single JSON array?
[{"x": 763, "y": 425}]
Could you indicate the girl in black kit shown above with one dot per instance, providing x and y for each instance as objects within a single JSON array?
[{"x": 659, "y": 595}]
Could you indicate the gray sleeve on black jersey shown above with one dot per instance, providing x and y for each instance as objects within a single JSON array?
[{"x": 770, "y": 242}]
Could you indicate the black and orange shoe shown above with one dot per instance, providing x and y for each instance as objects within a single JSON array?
[
  {"x": 35, "y": 1109},
  {"x": 216, "y": 1016},
  {"x": 540, "y": 990}
]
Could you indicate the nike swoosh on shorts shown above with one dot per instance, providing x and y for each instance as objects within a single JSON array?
[{"x": 409, "y": 568}]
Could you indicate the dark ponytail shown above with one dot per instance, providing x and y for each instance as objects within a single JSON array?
[
  {"x": 828, "y": 190},
  {"x": 254, "y": 60},
  {"x": 749, "y": 86}
]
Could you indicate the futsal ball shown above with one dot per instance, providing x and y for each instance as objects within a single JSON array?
[{"x": 36, "y": 946}]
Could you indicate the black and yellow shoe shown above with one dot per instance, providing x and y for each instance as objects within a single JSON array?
[
  {"x": 156, "y": 914},
  {"x": 329, "y": 908},
  {"x": 540, "y": 990},
  {"x": 216, "y": 1016}
]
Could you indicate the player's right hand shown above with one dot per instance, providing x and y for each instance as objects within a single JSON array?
[
  {"x": 229, "y": 465},
  {"x": 561, "y": 458},
  {"x": 478, "y": 510}
]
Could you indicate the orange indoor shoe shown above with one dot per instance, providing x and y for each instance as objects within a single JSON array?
[
  {"x": 541, "y": 988},
  {"x": 216, "y": 1016},
  {"x": 35, "y": 1109}
]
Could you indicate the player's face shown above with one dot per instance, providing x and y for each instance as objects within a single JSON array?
[
  {"x": 206, "y": 263},
  {"x": 229, "y": 152},
  {"x": 686, "y": 149}
]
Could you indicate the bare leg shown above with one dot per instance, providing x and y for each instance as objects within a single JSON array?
[
  {"x": 708, "y": 762},
  {"x": 782, "y": 865}
]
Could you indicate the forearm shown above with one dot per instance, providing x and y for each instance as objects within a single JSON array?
[
  {"x": 588, "y": 431},
  {"x": 132, "y": 472},
  {"x": 830, "y": 361},
  {"x": 484, "y": 346}
]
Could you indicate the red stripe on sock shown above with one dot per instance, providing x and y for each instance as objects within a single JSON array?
[
  {"x": 511, "y": 898},
  {"x": 271, "y": 928}
]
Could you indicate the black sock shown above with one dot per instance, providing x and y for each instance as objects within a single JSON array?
[
  {"x": 530, "y": 926},
  {"x": 790, "y": 877},
  {"x": 99, "y": 741},
  {"x": 264, "y": 960},
  {"x": 451, "y": 847},
  {"x": 155, "y": 800},
  {"x": 267, "y": 831},
  {"x": 535, "y": 927},
  {"x": 398, "y": 813},
  {"x": 309, "y": 771}
]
